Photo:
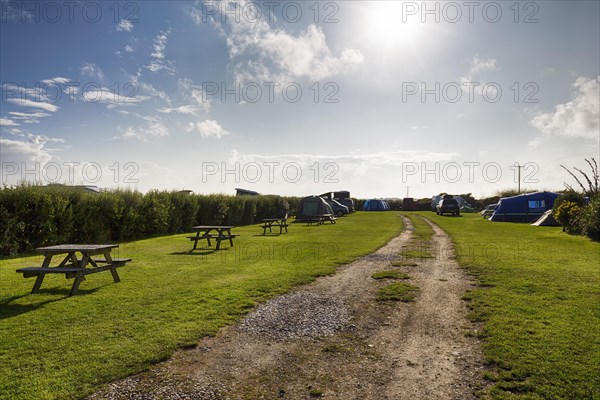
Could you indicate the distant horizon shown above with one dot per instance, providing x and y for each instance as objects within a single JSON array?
[{"x": 233, "y": 193}]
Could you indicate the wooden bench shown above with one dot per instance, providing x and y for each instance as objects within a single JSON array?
[
  {"x": 72, "y": 272},
  {"x": 74, "y": 267},
  {"x": 216, "y": 238},
  {"x": 269, "y": 223},
  {"x": 321, "y": 219}
]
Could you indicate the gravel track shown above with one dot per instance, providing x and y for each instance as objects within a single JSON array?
[{"x": 332, "y": 339}]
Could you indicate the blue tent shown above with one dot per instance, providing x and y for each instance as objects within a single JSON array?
[
  {"x": 524, "y": 207},
  {"x": 376, "y": 205}
]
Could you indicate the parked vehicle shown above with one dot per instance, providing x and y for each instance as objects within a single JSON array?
[
  {"x": 338, "y": 208},
  {"x": 448, "y": 206},
  {"x": 348, "y": 202}
]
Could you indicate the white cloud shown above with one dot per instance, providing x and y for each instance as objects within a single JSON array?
[
  {"x": 107, "y": 96},
  {"x": 208, "y": 129},
  {"x": 354, "y": 161},
  {"x": 92, "y": 70},
  {"x": 129, "y": 49},
  {"x": 34, "y": 104},
  {"x": 195, "y": 14},
  {"x": 194, "y": 93},
  {"x": 125, "y": 26},
  {"x": 21, "y": 91},
  {"x": 19, "y": 152},
  {"x": 185, "y": 109},
  {"x": 158, "y": 62},
  {"x": 33, "y": 138},
  {"x": 56, "y": 81},
  {"x": 145, "y": 133},
  {"x": 535, "y": 142},
  {"x": 579, "y": 117},
  {"x": 7, "y": 122},
  {"x": 479, "y": 64},
  {"x": 28, "y": 118},
  {"x": 271, "y": 53}
]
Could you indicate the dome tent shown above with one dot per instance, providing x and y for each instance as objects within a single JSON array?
[
  {"x": 312, "y": 206},
  {"x": 376, "y": 205}
]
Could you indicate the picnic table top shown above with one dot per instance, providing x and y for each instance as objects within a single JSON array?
[
  {"x": 273, "y": 219},
  {"x": 212, "y": 227},
  {"x": 68, "y": 248}
]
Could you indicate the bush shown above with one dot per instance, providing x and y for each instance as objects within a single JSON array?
[
  {"x": 588, "y": 220},
  {"x": 566, "y": 210},
  {"x": 566, "y": 215}
]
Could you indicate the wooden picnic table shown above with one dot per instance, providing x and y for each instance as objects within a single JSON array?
[
  {"x": 204, "y": 232},
  {"x": 320, "y": 219},
  {"x": 75, "y": 267},
  {"x": 268, "y": 223}
]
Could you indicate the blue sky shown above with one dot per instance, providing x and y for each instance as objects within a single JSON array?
[{"x": 298, "y": 98}]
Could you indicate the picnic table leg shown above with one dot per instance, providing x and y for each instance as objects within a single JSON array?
[
  {"x": 38, "y": 283},
  {"x": 40, "y": 277},
  {"x": 196, "y": 241},
  {"x": 113, "y": 270},
  {"x": 79, "y": 277}
]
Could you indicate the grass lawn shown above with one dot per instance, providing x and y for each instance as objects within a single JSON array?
[
  {"x": 57, "y": 347},
  {"x": 539, "y": 303}
]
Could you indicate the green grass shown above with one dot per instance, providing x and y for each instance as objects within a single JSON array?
[
  {"x": 393, "y": 274},
  {"x": 419, "y": 246},
  {"x": 404, "y": 264},
  {"x": 539, "y": 304},
  {"x": 397, "y": 292},
  {"x": 57, "y": 347}
]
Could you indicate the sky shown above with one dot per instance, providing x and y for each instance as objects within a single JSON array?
[{"x": 381, "y": 98}]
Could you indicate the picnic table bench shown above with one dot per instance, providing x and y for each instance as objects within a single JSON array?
[
  {"x": 75, "y": 267},
  {"x": 321, "y": 219},
  {"x": 269, "y": 223},
  {"x": 204, "y": 232}
]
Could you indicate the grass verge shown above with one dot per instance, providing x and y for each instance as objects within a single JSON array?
[
  {"x": 539, "y": 305},
  {"x": 419, "y": 246},
  {"x": 57, "y": 347},
  {"x": 397, "y": 292}
]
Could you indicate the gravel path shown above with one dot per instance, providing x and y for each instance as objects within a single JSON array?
[{"x": 331, "y": 339}]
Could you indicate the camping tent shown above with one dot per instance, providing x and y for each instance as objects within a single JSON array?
[
  {"x": 376, "y": 205},
  {"x": 547, "y": 219},
  {"x": 312, "y": 206},
  {"x": 524, "y": 207}
]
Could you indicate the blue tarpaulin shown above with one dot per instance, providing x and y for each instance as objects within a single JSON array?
[{"x": 524, "y": 207}]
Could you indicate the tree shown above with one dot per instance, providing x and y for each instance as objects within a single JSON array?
[{"x": 593, "y": 180}]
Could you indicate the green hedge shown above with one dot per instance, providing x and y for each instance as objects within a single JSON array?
[{"x": 33, "y": 216}]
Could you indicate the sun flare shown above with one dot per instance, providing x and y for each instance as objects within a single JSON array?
[{"x": 387, "y": 27}]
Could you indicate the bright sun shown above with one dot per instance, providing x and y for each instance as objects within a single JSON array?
[{"x": 386, "y": 27}]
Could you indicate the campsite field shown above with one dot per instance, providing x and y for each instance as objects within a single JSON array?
[
  {"x": 539, "y": 304},
  {"x": 58, "y": 347}
]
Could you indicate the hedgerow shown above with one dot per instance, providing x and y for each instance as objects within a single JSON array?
[{"x": 32, "y": 216}]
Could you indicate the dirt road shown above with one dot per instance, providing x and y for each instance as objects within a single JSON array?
[{"x": 377, "y": 350}]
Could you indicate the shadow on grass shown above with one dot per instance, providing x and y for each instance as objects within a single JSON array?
[
  {"x": 8, "y": 310},
  {"x": 197, "y": 252}
]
